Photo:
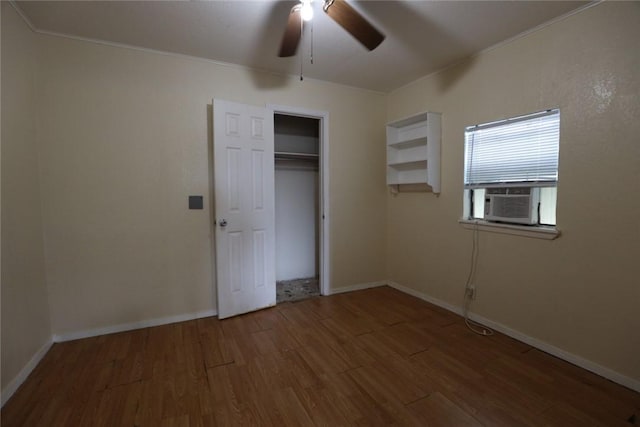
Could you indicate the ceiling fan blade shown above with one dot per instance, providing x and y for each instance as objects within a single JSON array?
[
  {"x": 292, "y": 33},
  {"x": 349, "y": 19}
]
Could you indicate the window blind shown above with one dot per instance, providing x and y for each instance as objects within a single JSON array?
[{"x": 522, "y": 151}]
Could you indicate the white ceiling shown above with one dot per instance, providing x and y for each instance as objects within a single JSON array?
[{"x": 421, "y": 36}]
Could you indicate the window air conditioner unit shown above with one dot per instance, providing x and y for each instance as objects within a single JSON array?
[{"x": 517, "y": 205}]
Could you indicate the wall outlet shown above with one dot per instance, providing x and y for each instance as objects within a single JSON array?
[{"x": 471, "y": 291}]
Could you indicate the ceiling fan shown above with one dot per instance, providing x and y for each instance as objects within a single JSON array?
[{"x": 338, "y": 10}]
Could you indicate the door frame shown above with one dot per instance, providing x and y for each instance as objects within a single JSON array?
[{"x": 323, "y": 116}]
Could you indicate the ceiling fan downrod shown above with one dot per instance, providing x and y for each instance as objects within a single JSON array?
[{"x": 327, "y": 4}]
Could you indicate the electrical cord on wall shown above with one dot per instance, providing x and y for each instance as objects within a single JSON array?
[{"x": 469, "y": 292}]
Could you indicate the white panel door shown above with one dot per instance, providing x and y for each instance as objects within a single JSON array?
[{"x": 244, "y": 207}]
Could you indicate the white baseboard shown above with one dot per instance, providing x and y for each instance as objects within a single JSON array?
[
  {"x": 24, "y": 372},
  {"x": 605, "y": 372},
  {"x": 358, "y": 287},
  {"x": 69, "y": 336},
  {"x": 425, "y": 297}
]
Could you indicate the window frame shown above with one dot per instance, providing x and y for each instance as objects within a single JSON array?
[
  {"x": 539, "y": 230},
  {"x": 514, "y": 152}
]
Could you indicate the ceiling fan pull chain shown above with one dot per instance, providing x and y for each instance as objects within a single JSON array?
[
  {"x": 311, "y": 42},
  {"x": 301, "y": 33}
]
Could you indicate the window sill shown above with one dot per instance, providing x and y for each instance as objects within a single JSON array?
[{"x": 539, "y": 232}]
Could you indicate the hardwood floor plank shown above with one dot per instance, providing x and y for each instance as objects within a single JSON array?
[
  {"x": 269, "y": 318},
  {"x": 402, "y": 367},
  {"x": 181, "y": 421},
  {"x": 303, "y": 373},
  {"x": 495, "y": 403},
  {"x": 444, "y": 369},
  {"x": 354, "y": 354},
  {"x": 322, "y": 359},
  {"x": 322, "y": 308},
  {"x": 359, "y": 407},
  {"x": 583, "y": 396},
  {"x": 151, "y": 404},
  {"x": 564, "y": 371},
  {"x": 215, "y": 348},
  {"x": 291, "y": 408},
  {"x": 531, "y": 390},
  {"x": 410, "y": 307},
  {"x": 89, "y": 414},
  {"x": 27, "y": 400},
  {"x": 300, "y": 324},
  {"x": 227, "y": 404},
  {"x": 437, "y": 410},
  {"x": 275, "y": 372},
  {"x": 129, "y": 367},
  {"x": 282, "y": 339},
  {"x": 469, "y": 351},
  {"x": 322, "y": 405},
  {"x": 372, "y": 358},
  {"x": 384, "y": 385},
  {"x": 489, "y": 408},
  {"x": 263, "y": 342},
  {"x": 321, "y": 339},
  {"x": 563, "y": 415},
  {"x": 347, "y": 302},
  {"x": 404, "y": 340},
  {"x": 377, "y": 308},
  {"x": 181, "y": 395},
  {"x": 295, "y": 315},
  {"x": 352, "y": 324},
  {"x": 173, "y": 349}
]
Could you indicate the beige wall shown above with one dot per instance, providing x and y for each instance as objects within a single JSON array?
[
  {"x": 25, "y": 312},
  {"x": 125, "y": 139},
  {"x": 580, "y": 292}
]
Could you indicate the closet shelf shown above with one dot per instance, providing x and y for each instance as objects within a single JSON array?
[{"x": 296, "y": 156}]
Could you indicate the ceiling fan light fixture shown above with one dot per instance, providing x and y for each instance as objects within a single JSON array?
[
  {"x": 306, "y": 12},
  {"x": 338, "y": 10}
]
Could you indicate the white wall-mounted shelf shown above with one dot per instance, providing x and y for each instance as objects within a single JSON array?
[{"x": 413, "y": 151}]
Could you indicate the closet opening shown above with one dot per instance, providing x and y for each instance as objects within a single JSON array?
[{"x": 298, "y": 206}]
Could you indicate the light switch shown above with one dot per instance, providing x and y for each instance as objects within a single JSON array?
[{"x": 195, "y": 202}]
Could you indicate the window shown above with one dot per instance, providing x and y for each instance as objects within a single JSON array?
[{"x": 511, "y": 169}]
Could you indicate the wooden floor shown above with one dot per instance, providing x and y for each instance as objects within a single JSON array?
[{"x": 373, "y": 357}]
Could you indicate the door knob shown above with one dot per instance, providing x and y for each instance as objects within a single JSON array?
[{"x": 223, "y": 223}]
